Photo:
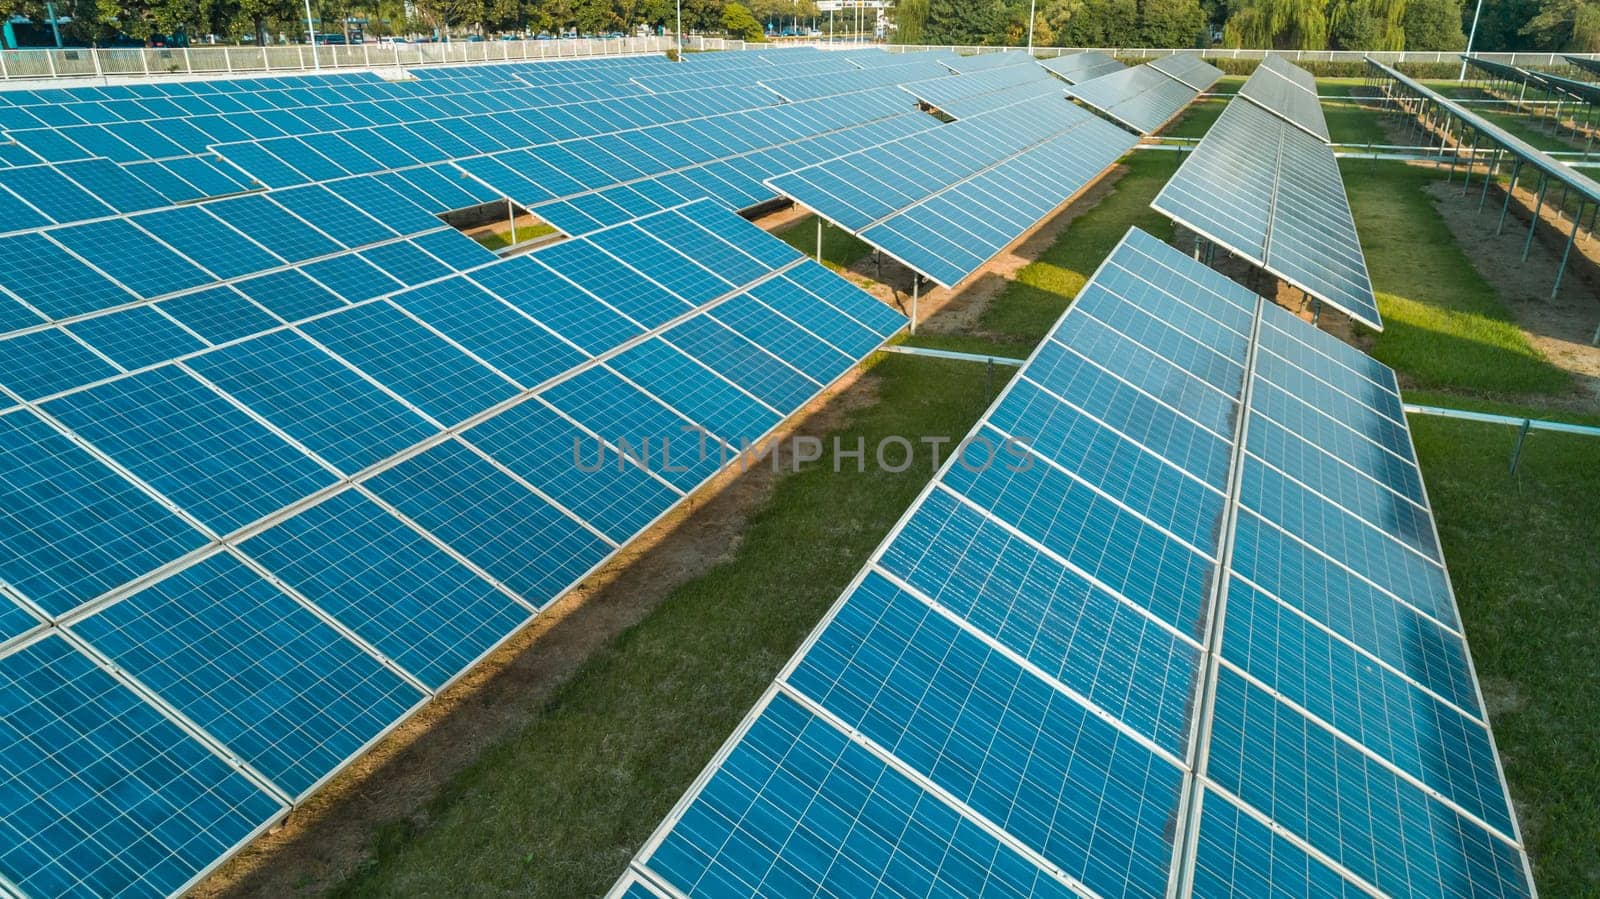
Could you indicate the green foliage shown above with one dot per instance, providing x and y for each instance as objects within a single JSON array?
[
  {"x": 1278, "y": 25},
  {"x": 1434, "y": 25},
  {"x": 1571, "y": 25},
  {"x": 1367, "y": 25},
  {"x": 967, "y": 21},
  {"x": 739, "y": 22},
  {"x": 910, "y": 20}
]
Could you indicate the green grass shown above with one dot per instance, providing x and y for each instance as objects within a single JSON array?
[
  {"x": 1024, "y": 311},
  {"x": 840, "y": 250},
  {"x": 1353, "y": 122},
  {"x": 1522, "y": 557},
  {"x": 500, "y": 238},
  {"x": 1197, "y": 120},
  {"x": 1444, "y": 326},
  {"x": 558, "y": 810}
]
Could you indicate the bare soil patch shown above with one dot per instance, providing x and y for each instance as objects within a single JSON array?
[
  {"x": 324, "y": 840},
  {"x": 1560, "y": 327}
]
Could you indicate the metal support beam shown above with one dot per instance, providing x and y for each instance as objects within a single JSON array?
[
  {"x": 1488, "y": 177},
  {"x": 1522, "y": 437},
  {"x": 916, "y": 290},
  {"x": 1511, "y": 188},
  {"x": 1533, "y": 223},
  {"x": 1571, "y": 236}
]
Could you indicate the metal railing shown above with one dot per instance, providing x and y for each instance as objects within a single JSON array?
[{"x": 139, "y": 62}]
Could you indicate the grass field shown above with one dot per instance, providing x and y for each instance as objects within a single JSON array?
[
  {"x": 500, "y": 238},
  {"x": 1444, "y": 326},
  {"x": 559, "y": 810},
  {"x": 840, "y": 250}
]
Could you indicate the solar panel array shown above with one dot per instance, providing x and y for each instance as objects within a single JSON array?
[
  {"x": 248, "y": 530},
  {"x": 1078, "y": 67},
  {"x": 1143, "y": 98},
  {"x": 985, "y": 61},
  {"x": 1173, "y": 622},
  {"x": 1281, "y": 67},
  {"x": 1279, "y": 90},
  {"x": 1189, "y": 69},
  {"x": 940, "y": 92},
  {"x": 946, "y": 201},
  {"x": 1271, "y": 193}
]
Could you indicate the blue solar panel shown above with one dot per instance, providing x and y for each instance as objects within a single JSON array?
[
  {"x": 625, "y": 288},
  {"x": 274, "y": 683},
  {"x": 208, "y": 241},
  {"x": 332, "y": 215},
  {"x": 677, "y": 380},
  {"x": 44, "y": 186},
  {"x": 406, "y": 262},
  {"x": 541, "y": 294},
  {"x": 574, "y": 468},
  {"x": 513, "y": 534},
  {"x": 667, "y": 442},
  {"x": 406, "y": 357},
  {"x": 41, "y": 363},
  {"x": 352, "y": 277},
  {"x": 271, "y": 226},
  {"x": 491, "y": 330},
  {"x": 324, "y": 405},
  {"x": 290, "y": 294},
  {"x": 759, "y": 372},
  {"x": 46, "y": 277},
  {"x": 192, "y": 446},
  {"x": 419, "y": 606},
  {"x": 820, "y": 361},
  {"x": 1061, "y": 627},
  {"x": 70, "y": 527},
  {"x": 136, "y": 337},
  {"x": 219, "y": 315},
  {"x": 111, "y": 798}
]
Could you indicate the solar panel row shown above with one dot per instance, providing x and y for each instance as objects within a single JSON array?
[
  {"x": 1270, "y": 192},
  {"x": 1166, "y": 625},
  {"x": 226, "y": 576},
  {"x": 1282, "y": 95},
  {"x": 938, "y": 92},
  {"x": 945, "y": 201},
  {"x": 1189, "y": 69},
  {"x": 1074, "y": 68},
  {"x": 1144, "y": 98}
]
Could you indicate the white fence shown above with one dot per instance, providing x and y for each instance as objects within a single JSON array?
[
  {"x": 1407, "y": 56},
  {"x": 44, "y": 64},
  {"x": 35, "y": 64}
]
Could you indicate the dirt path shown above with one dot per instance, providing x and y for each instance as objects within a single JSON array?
[
  {"x": 1560, "y": 327},
  {"x": 326, "y": 839}
]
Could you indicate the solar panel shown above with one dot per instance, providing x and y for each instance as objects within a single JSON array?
[
  {"x": 373, "y": 555},
  {"x": 1141, "y": 98},
  {"x": 1283, "y": 96},
  {"x": 1189, "y": 69},
  {"x": 1038, "y": 656},
  {"x": 109, "y": 795},
  {"x": 1271, "y": 193},
  {"x": 1074, "y": 68},
  {"x": 969, "y": 188}
]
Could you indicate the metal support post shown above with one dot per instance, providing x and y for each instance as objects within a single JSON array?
[
  {"x": 1533, "y": 223},
  {"x": 1571, "y": 236},
  {"x": 1522, "y": 437},
  {"x": 916, "y": 289},
  {"x": 819, "y": 240},
  {"x": 1511, "y": 188},
  {"x": 1487, "y": 177}
]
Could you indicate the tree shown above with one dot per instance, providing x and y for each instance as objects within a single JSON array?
[
  {"x": 966, "y": 21},
  {"x": 910, "y": 19},
  {"x": 594, "y": 16},
  {"x": 1433, "y": 25},
  {"x": 1367, "y": 25},
  {"x": 1170, "y": 23},
  {"x": 738, "y": 21},
  {"x": 1093, "y": 23},
  {"x": 1278, "y": 25},
  {"x": 1570, "y": 25}
]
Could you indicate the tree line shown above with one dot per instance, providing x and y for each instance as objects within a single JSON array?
[
  {"x": 1506, "y": 25},
  {"x": 1559, "y": 25},
  {"x": 101, "y": 22}
]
